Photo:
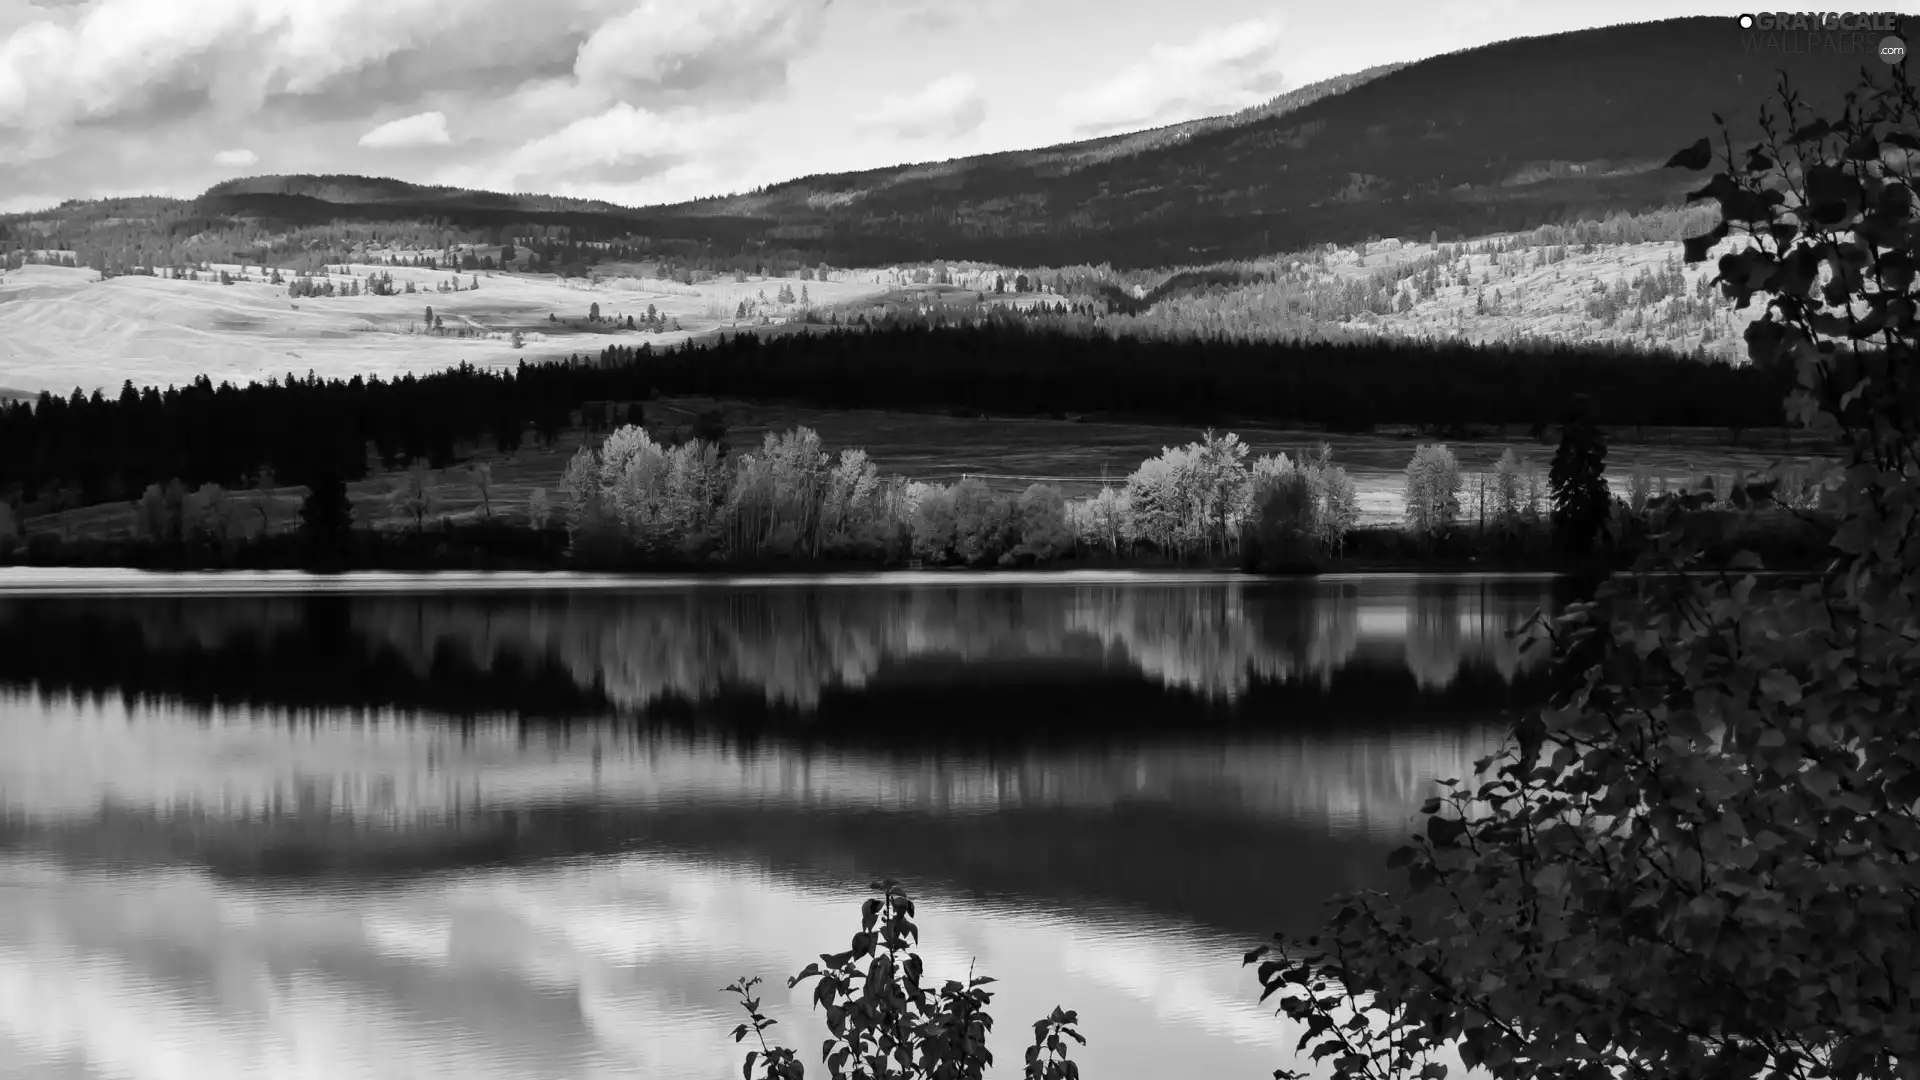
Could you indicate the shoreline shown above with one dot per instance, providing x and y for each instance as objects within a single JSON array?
[{"x": 54, "y": 581}]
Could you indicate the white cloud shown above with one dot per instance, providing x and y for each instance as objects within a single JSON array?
[
  {"x": 81, "y": 80},
  {"x": 420, "y": 129},
  {"x": 237, "y": 158},
  {"x": 1228, "y": 68},
  {"x": 622, "y": 149},
  {"x": 27, "y": 204},
  {"x": 136, "y": 61},
  {"x": 948, "y": 107},
  {"x": 720, "y": 47},
  {"x": 932, "y": 18}
]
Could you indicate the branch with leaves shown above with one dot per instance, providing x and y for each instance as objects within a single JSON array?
[{"x": 884, "y": 1022}]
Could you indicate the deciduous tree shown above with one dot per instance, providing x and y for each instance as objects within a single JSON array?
[{"x": 1432, "y": 491}]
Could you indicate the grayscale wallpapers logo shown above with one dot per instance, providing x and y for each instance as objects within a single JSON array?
[{"x": 1793, "y": 33}]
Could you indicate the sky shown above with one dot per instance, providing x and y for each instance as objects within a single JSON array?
[{"x": 648, "y": 101}]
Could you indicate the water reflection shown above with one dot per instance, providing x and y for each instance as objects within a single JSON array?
[
  {"x": 788, "y": 647},
  {"x": 580, "y": 970},
  {"x": 341, "y": 835}
]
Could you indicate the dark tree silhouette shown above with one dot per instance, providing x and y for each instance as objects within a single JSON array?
[
  {"x": 326, "y": 518},
  {"x": 711, "y": 426},
  {"x": 1577, "y": 479}
]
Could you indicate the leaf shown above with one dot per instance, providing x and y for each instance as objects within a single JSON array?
[
  {"x": 1810, "y": 132},
  {"x": 1445, "y": 831},
  {"x": 1696, "y": 247},
  {"x": 1695, "y": 157},
  {"x": 1777, "y": 685}
]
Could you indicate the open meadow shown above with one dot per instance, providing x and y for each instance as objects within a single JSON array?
[{"x": 62, "y": 327}]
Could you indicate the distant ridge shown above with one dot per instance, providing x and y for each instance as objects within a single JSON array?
[{"x": 1500, "y": 138}]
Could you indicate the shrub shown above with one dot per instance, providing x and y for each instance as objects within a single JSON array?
[
  {"x": 1639, "y": 489},
  {"x": 881, "y": 1020},
  {"x": 1702, "y": 857}
]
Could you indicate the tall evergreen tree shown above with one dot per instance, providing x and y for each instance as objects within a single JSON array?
[
  {"x": 326, "y": 518},
  {"x": 1577, "y": 479}
]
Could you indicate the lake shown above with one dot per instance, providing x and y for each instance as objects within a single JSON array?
[{"x": 528, "y": 826}]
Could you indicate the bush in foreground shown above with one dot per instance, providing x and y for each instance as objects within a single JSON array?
[
  {"x": 884, "y": 1023},
  {"x": 1703, "y": 860}
]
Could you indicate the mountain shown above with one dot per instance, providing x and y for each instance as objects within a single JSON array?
[{"x": 1500, "y": 138}]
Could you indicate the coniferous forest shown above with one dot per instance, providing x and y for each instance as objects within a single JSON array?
[{"x": 299, "y": 428}]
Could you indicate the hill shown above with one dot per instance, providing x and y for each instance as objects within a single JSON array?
[
  {"x": 1502, "y": 138},
  {"x": 1621, "y": 281},
  {"x": 62, "y": 327}
]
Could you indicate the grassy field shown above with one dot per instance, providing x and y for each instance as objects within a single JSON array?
[
  {"x": 60, "y": 328},
  {"x": 1008, "y": 453}
]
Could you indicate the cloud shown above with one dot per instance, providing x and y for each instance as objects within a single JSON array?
[
  {"x": 622, "y": 145},
  {"x": 136, "y": 61},
  {"x": 28, "y": 204},
  {"x": 948, "y": 107},
  {"x": 420, "y": 129},
  {"x": 238, "y": 158},
  {"x": 81, "y": 81},
  {"x": 1225, "y": 69},
  {"x": 722, "y": 49},
  {"x": 931, "y": 18}
]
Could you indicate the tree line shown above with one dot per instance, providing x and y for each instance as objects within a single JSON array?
[
  {"x": 94, "y": 448},
  {"x": 1008, "y": 366}
]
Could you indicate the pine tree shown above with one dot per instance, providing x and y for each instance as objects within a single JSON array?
[
  {"x": 1577, "y": 479},
  {"x": 326, "y": 518}
]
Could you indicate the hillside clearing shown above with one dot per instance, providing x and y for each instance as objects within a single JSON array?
[{"x": 62, "y": 328}]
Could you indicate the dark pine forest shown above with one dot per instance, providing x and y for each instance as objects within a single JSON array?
[{"x": 98, "y": 448}]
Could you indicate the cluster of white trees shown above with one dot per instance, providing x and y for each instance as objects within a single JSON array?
[
  {"x": 791, "y": 497},
  {"x": 1512, "y": 496}
]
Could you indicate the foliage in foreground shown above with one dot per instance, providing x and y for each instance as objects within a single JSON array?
[
  {"x": 1703, "y": 860},
  {"x": 883, "y": 1022}
]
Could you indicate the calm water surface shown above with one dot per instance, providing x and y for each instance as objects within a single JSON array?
[{"x": 528, "y": 828}]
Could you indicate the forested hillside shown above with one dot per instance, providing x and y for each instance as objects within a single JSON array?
[
  {"x": 1502, "y": 138},
  {"x": 1621, "y": 281}
]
